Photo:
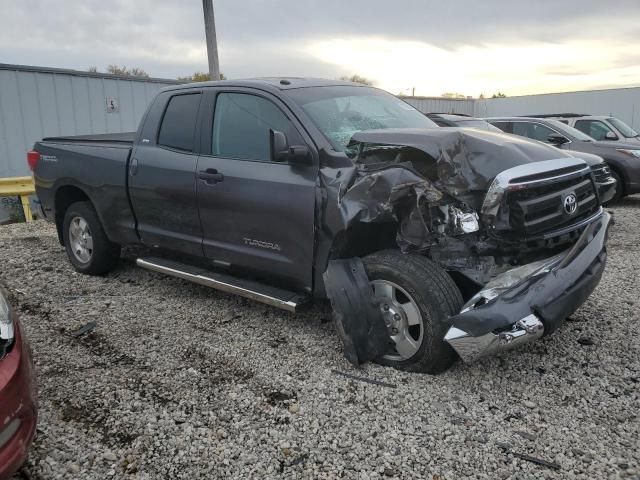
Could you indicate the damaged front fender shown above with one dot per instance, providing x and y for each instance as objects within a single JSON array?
[{"x": 358, "y": 319}]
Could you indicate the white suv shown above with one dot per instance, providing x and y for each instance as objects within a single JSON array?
[{"x": 599, "y": 127}]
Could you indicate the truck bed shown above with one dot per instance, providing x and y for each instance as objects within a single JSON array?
[
  {"x": 90, "y": 166},
  {"x": 121, "y": 138}
]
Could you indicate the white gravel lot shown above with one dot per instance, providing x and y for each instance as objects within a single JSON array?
[{"x": 179, "y": 381}]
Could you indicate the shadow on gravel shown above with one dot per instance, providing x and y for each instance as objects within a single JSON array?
[
  {"x": 631, "y": 201},
  {"x": 91, "y": 416},
  {"x": 216, "y": 369}
]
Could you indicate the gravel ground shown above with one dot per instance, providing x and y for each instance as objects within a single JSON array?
[{"x": 179, "y": 381}]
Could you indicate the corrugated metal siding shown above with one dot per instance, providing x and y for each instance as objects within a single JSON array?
[
  {"x": 623, "y": 103},
  {"x": 37, "y": 103},
  {"x": 441, "y": 105}
]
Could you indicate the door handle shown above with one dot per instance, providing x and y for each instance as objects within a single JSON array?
[
  {"x": 210, "y": 175},
  {"x": 133, "y": 167}
]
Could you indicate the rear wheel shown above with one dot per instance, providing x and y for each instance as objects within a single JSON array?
[
  {"x": 416, "y": 298},
  {"x": 88, "y": 248}
]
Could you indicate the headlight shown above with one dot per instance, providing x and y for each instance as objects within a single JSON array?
[
  {"x": 463, "y": 221},
  {"x": 633, "y": 153},
  {"x": 6, "y": 325}
]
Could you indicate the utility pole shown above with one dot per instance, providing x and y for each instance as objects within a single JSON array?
[{"x": 212, "y": 43}]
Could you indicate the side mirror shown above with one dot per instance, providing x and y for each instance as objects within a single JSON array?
[
  {"x": 299, "y": 155},
  {"x": 557, "y": 139},
  {"x": 282, "y": 152},
  {"x": 610, "y": 136},
  {"x": 279, "y": 146}
]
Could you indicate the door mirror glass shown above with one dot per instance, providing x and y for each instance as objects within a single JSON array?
[
  {"x": 557, "y": 139},
  {"x": 610, "y": 136}
]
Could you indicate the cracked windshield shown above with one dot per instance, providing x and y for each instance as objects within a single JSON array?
[{"x": 339, "y": 112}]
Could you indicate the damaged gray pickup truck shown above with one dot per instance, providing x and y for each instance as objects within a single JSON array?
[{"x": 430, "y": 243}]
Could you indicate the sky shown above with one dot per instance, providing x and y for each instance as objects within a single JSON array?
[{"x": 470, "y": 47}]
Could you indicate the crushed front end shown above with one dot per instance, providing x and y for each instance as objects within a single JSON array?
[
  {"x": 520, "y": 231},
  {"x": 540, "y": 207}
]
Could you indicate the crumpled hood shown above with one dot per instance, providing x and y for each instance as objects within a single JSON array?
[{"x": 467, "y": 159}]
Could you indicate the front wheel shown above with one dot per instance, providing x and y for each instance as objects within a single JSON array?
[{"x": 416, "y": 298}]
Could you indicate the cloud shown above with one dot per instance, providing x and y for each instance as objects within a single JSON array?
[
  {"x": 533, "y": 67},
  {"x": 465, "y": 45}
]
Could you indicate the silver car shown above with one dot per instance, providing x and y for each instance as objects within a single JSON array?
[{"x": 599, "y": 127}]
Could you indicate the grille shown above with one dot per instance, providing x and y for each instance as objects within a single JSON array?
[
  {"x": 602, "y": 173},
  {"x": 539, "y": 209}
]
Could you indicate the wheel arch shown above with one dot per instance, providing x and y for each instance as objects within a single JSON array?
[
  {"x": 620, "y": 172},
  {"x": 64, "y": 197},
  {"x": 359, "y": 240}
]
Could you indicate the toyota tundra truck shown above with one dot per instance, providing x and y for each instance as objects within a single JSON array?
[{"x": 430, "y": 243}]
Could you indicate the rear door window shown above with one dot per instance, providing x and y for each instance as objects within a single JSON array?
[
  {"x": 179, "y": 122},
  {"x": 534, "y": 131},
  {"x": 506, "y": 127}
]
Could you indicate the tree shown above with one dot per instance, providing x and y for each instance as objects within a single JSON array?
[
  {"x": 355, "y": 78},
  {"x": 498, "y": 95},
  {"x": 92, "y": 69},
  {"x": 124, "y": 71},
  {"x": 199, "y": 77}
]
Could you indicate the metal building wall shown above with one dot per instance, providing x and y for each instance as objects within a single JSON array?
[
  {"x": 40, "y": 102},
  {"x": 441, "y": 105},
  {"x": 623, "y": 103}
]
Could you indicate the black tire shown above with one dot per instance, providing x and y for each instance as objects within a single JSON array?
[
  {"x": 619, "y": 187},
  {"x": 437, "y": 298},
  {"x": 103, "y": 254}
]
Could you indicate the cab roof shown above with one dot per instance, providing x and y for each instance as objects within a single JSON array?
[{"x": 278, "y": 83}]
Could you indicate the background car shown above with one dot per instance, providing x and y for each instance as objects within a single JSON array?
[
  {"x": 622, "y": 158},
  {"x": 460, "y": 120},
  {"x": 17, "y": 392},
  {"x": 598, "y": 127}
]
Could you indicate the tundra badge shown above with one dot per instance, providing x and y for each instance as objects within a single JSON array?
[{"x": 259, "y": 243}]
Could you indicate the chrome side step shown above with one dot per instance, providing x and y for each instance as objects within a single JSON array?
[{"x": 276, "y": 297}]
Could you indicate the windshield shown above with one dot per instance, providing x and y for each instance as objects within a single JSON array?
[
  {"x": 480, "y": 124},
  {"x": 623, "y": 128},
  {"x": 569, "y": 131},
  {"x": 341, "y": 111}
]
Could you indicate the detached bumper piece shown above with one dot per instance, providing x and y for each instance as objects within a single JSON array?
[
  {"x": 522, "y": 304},
  {"x": 471, "y": 348}
]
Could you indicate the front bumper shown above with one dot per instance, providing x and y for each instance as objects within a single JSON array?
[
  {"x": 524, "y": 303},
  {"x": 606, "y": 189},
  {"x": 17, "y": 405}
]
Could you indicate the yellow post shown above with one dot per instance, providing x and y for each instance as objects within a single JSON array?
[
  {"x": 26, "y": 208},
  {"x": 22, "y": 187}
]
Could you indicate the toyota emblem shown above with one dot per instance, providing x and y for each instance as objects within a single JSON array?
[{"x": 570, "y": 203}]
